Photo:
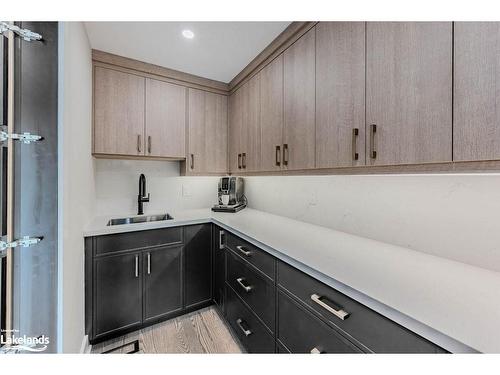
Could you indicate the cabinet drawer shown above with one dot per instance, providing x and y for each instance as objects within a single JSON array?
[
  {"x": 136, "y": 240},
  {"x": 250, "y": 331},
  {"x": 302, "y": 332},
  {"x": 259, "y": 258},
  {"x": 371, "y": 329},
  {"x": 255, "y": 289}
]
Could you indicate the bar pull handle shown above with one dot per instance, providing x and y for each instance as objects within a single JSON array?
[
  {"x": 278, "y": 156},
  {"x": 137, "y": 266},
  {"x": 243, "y": 251},
  {"x": 139, "y": 146},
  {"x": 285, "y": 154},
  {"x": 221, "y": 240},
  {"x": 244, "y": 160},
  {"x": 239, "y": 161},
  {"x": 192, "y": 161},
  {"x": 315, "y": 351},
  {"x": 246, "y": 288},
  {"x": 373, "y": 130},
  {"x": 149, "y": 263},
  {"x": 355, "y": 133},
  {"x": 149, "y": 144},
  {"x": 339, "y": 313},
  {"x": 245, "y": 331}
]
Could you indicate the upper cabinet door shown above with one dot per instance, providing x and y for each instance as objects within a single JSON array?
[
  {"x": 235, "y": 127},
  {"x": 216, "y": 132},
  {"x": 207, "y": 132},
  {"x": 251, "y": 130},
  {"x": 165, "y": 119},
  {"x": 118, "y": 113},
  {"x": 476, "y": 134},
  {"x": 299, "y": 101},
  {"x": 409, "y": 92},
  {"x": 196, "y": 158},
  {"x": 340, "y": 94},
  {"x": 271, "y": 115}
]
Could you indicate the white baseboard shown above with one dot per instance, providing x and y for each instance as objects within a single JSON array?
[{"x": 85, "y": 348}]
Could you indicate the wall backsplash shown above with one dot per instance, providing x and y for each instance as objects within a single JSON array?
[
  {"x": 452, "y": 216},
  {"x": 117, "y": 185}
]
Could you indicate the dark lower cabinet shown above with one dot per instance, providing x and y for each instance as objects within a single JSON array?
[
  {"x": 162, "y": 269},
  {"x": 252, "y": 334},
  {"x": 198, "y": 264},
  {"x": 302, "y": 332},
  {"x": 117, "y": 293},
  {"x": 219, "y": 267}
]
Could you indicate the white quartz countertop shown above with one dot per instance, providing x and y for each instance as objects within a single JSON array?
[{"x": 448, "y": 302}]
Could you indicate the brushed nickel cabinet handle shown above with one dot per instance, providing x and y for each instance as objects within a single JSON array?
[
  {"x": 244, "y": 160},
  {"x": 149, "y": 144},
  {"x": 373, "y": 130},
  {"x": 355, "y": 133},
  {"x": 192, "y": 161},
  {"x": 137, "y": 266},
  {"x": 315, "y": 351},
  {"x": 340, "y": 313},
  {"x": 278, "y": 156},
  {"x": 245, "y": 331},
  {"x": 285, "y": 154},
  {"x": 246, "y": 288},
  {"x": 221, "y": 240},
  {"x": 139, "y": 146},
  {"x": 149, "y": 263},
  {"x": 243, "y": 251},
  {"x": 239, "y": 161}
]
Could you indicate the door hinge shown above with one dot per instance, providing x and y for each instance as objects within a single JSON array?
[
  {"x": 26, "y": 34},
  {"x": 25, "y": 241},
  {"x": 25, "y": 138}
]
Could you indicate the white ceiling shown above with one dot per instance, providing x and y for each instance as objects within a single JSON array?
[{"x": 219, "y": 50}]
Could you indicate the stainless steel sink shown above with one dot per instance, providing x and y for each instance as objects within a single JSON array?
[{"x": 139, "y": 219}]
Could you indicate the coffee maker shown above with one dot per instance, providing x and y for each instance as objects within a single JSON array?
[{"x": 230, "y": 195}]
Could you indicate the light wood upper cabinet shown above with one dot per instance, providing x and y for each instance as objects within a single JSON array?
[
  {"x": 235, "y": 131},
  {"x": 118, "y": 113},
  {"x": 271, "y": 115},
  {"x": 165, "y": 119},
  {"x": 216, "y": 132},
  {"x": 340, "y": 94},
  {"x": 409, "y": 92},
  {"x": 207, "y": 149},
  {"x": 476, "y": 126},
  {"x": 299, "y": 103},
  {"x": 251, "y": 127}
]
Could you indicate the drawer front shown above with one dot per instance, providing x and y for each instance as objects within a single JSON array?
[
  {"x": 136, "y": 240},
  {"x": 255, "y": 289},
  {"x": 259, "y": 258},
  {"x": 371, "y": 329},
  {"x": 302, "y": 332},
  {"x": 250, "y": 331}
]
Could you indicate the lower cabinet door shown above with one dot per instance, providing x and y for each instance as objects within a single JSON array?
[
  {"x": 219, "y": 266},
  {"x": 252, "y": 334},
  {"x": 302, "y": 332},
  {"x": 162, "y": 269},
  {"x": 198, "y": 264},
  {"x": 117, "y": 293}
]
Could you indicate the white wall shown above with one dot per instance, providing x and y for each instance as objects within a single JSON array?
[
  {"x": 77, "y": 187},
  {"x": 453, "y": 216},
  {"x": 117, "y": 187}
]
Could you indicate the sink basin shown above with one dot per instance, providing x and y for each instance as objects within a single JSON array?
[{"x": 139, "y": 219}]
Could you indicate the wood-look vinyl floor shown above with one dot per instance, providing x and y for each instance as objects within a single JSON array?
[{"x": 202, "y": 331}]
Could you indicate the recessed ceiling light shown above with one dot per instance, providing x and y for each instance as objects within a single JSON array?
[{"x": 187, "y": 34}]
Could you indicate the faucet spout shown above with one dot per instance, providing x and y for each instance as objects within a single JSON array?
[{"x": 141, "y": 198}]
